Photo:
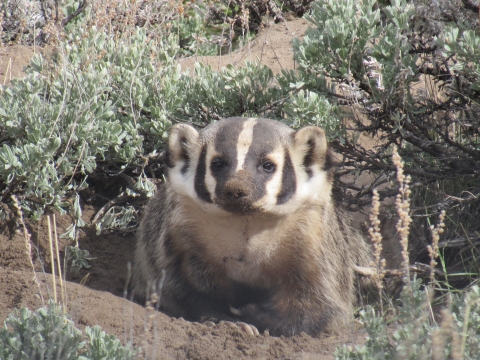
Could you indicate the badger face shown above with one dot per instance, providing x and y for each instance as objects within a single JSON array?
[{"x": 244, "y": 166}]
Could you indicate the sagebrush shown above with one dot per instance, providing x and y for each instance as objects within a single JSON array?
[{"x": 48, "y": 333}]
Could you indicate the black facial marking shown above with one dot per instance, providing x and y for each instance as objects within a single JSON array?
[
  {"x": 185, "y": 156},
  {"x": 226, "y": 140},
  {"x": 289, "y": 181},
  {"x": 329, "y": 162},
  {"x": 200, "y": 186},
  {"x": 308, "y": 160},
  {"x": 329, "y": 166},
  {"x": 264, "y": 141},
  {"x": 237, "y": 192},
  {"x": 185, "y": 168},
  {"x": 223, "y": 167},
  {"x": 167, "y": 159},
  {"x": 218, "y": 165}
]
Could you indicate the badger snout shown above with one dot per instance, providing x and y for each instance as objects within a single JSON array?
[
  {"x": 236, "y": 189},
  {"x": 237, "y": 193}
]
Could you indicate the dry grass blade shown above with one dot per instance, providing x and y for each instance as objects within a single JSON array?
[
  {"x": 28, "y": 245},
  {"x": 62, "y": 285},
  {"x": 52, "y": 259}
]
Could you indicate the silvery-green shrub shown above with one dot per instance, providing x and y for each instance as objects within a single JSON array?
[{"x": 48, "y": 334}]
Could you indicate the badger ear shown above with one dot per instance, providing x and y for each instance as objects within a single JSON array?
[
  {"x": 311, "y": 142},
  {"x": 181, "y": 141}
]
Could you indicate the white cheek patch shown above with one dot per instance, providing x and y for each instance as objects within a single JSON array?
[
  {"x": 183, "y": 183},
  {"x": 315, "y": 188},
  {"x": 210, "y": 181},
  {"x": 273, "y": 187},
  {"x": 244, "y": 141},
  {"x": 310, "y": 190}
]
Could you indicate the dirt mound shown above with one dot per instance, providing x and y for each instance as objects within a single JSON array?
[{"x": 100, "y": 301}]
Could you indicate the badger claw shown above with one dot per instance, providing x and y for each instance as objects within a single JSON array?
[{"x": 247, "y": 328}]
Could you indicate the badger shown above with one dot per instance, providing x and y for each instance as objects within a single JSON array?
[{"x": 245, "y": 228}]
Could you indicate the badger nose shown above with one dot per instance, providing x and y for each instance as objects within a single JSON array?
[
  {"x": 235, "y": 193},
  {"x": 236, "y": 189}
]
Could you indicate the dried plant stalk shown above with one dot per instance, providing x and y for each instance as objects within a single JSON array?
[
  {"x": 62, "y": 287},
  {"x": 402, "y": 204},
  {"x": 28, "y": 244},
  {"x": 376, "y": 236},
  {"x": 52, "y": 259},
  {"x": 433, "y": 249}
]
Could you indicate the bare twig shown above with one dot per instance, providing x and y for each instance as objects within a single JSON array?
[
  {"x": 77, "y": 12},
  {"x": 120, "y": 199},
  {"x": 470, "y": 5},
  {"x": 460, "y": 242}
]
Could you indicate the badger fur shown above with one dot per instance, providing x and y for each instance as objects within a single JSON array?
[{"x": 245, "y": 228}]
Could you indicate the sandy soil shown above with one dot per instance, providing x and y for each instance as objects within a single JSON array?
[
  {"x": 272, "y": 47},
  {"x": 13, "y": 59},
  {"x": 100, "y": 299}
]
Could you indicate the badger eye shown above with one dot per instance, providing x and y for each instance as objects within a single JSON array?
[
  {"x": 269, "y": 167},
  {"x": 218, "y": 164}
]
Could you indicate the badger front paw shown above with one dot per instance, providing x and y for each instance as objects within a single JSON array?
[
  {"x": 247, "y": 328},
  {"x": 267, "y": 318}
]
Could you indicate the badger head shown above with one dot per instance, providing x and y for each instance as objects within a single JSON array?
[{"x": 244, "y": 166}]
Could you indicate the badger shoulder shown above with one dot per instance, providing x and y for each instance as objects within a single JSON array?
[{"x": 246, "y": 220}]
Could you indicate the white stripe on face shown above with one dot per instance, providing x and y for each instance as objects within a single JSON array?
[
  {"x": 244, "y": 142},
  {"x": 210, "y": 181},
  {"x": 274, "y": 184}
]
